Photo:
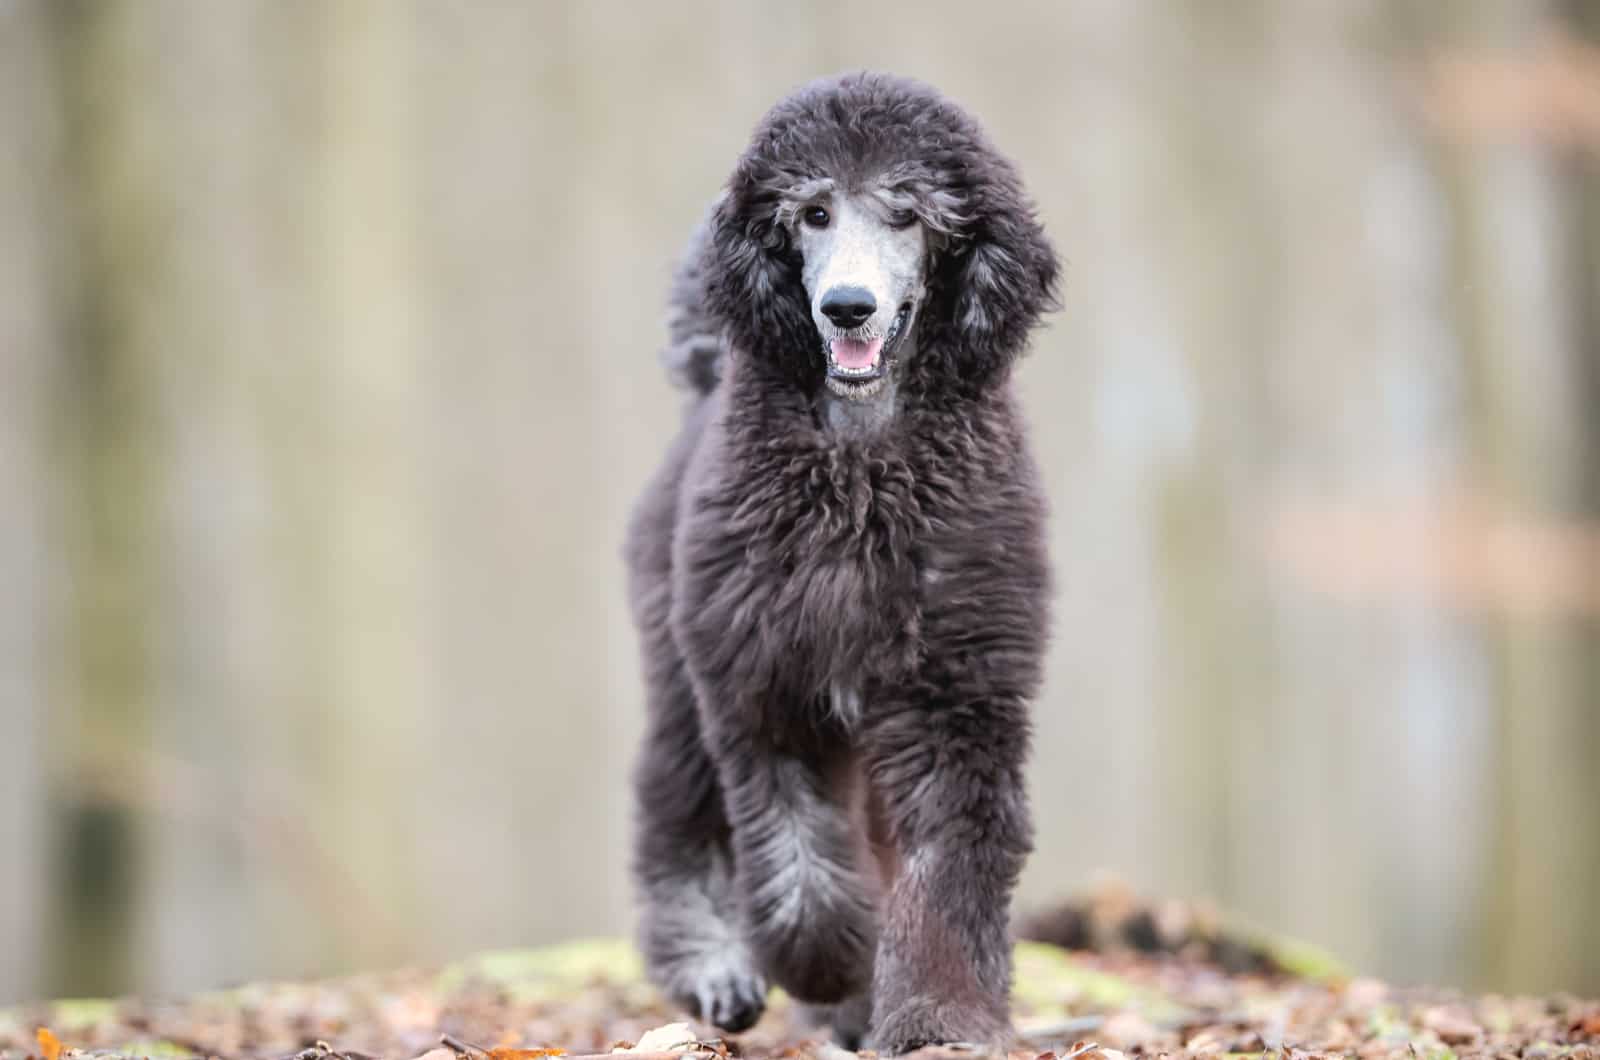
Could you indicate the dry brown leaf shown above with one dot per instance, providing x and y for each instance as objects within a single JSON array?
[
  {"x": 1363, "y": 995},
  {"x": 1209, "y": 1040},
  {"x": 1092, "y": 1051},
  {"x": 1453, "y": 1026},
  {"x": 1127, "y": 1029},
  {"x": 668, "y": 1038}
]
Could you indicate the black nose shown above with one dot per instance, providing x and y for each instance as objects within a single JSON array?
[{"x": 849, "y": 307}]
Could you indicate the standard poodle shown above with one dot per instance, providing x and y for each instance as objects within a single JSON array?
[{"x": 840, "y": 580}]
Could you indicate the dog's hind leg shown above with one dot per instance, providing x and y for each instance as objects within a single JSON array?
[{"x": 683, "y": 869}]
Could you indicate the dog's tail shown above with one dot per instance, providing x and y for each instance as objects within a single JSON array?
[{"x": 695, "y": 350}]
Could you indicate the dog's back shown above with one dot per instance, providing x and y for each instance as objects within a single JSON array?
[{"x": 694, "y": 352}]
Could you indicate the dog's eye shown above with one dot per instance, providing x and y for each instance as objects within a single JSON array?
[
  {"x": 902, "y": 219},
  {"x": 815, "y": 216}
]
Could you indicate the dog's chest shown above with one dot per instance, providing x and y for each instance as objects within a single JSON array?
[{"x": 830, "y": 559}]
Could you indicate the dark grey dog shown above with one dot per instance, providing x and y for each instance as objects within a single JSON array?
[{"x": 840, "y": 581}]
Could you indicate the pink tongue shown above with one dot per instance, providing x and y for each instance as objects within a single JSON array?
[{"x": 856, "y": 353}]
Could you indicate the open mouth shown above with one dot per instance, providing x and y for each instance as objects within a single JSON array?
[{"x": 857, "y": 364}]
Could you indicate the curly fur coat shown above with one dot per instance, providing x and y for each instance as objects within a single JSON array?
[{"x": 841, "y": 632}]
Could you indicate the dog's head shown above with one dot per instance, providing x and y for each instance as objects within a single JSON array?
[{"x": 870, "y": 228}]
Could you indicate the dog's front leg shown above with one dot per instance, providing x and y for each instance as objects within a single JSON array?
[
  {"x": 949, "y": 773},
  {"x": 807, "y": 911}
]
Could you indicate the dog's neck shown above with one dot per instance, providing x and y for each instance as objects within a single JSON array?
[{"x": 845, "y": 417}]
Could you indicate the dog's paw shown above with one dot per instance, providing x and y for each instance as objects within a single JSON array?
[
  {"x": 920, "y": 1023},
  {"x": 721, "y": 989},
  {"x": 847, "y": 1020}
]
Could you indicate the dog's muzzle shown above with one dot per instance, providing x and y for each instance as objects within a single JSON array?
[{"x": 858, "y": 364}]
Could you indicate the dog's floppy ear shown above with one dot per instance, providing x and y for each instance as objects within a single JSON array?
[
  {"x": 752, "y": 278},
  {"x": 996, "y": 281}
]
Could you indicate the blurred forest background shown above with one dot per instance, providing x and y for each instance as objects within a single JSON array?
[{"x": 327, "y": 375}]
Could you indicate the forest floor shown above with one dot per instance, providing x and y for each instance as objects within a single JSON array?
[{"x": 1139, "y": 982}]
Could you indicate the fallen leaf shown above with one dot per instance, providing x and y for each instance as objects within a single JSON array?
[
  {"x": 1453, "y": 1026},
  {"x": 1209, "y": 1040},
  {"x": 1092, "y": 1051},
  {"x": 1364, "y": 994},
  {"x": 49, "y": 1044},
  {"x": 1127, "y": 1029},
  {"x": 524, "y": 1054},
  {"x": 669, "y": 1038}
]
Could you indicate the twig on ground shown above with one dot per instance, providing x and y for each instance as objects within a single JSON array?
[
  {"x": 324, "y": 1051},
  {"x": 1065, "y": 1030}
]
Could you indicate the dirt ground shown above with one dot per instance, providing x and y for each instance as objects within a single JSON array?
[{"x": 1141, "y": 982}]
